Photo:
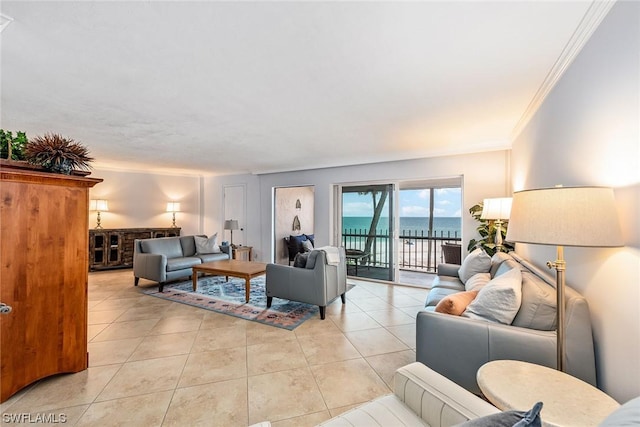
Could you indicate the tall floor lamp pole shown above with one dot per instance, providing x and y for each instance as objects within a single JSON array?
[{"x": 564, "y": 216}]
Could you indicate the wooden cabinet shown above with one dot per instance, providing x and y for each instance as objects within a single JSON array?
[
  {"x": 113, "y": 248},
  {"x": 43, "y": 276}
]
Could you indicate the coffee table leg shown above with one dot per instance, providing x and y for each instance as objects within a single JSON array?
[
  {"x": 194, "y": 276},
  {"x": 247, "y": 288}
]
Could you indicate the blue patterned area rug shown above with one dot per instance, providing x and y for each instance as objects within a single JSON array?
[{"x": 216, "y": 294}]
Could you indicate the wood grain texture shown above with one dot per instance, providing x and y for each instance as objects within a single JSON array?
[{"x": 43, "y": 276}]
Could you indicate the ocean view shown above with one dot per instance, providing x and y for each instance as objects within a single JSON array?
[{"x": 408, "y": 225}]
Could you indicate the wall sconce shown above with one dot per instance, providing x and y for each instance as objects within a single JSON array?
[
  {"x": 498, "y": 210},
  {"x": 173, "y": 207},
  {"x": 98, "y": 205},
  {"x": 231, "y": 224}
]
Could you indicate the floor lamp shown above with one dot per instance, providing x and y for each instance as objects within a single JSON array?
[{"x": 564, "y": 216}]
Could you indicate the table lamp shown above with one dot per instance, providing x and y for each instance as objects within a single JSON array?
[
  {"x": 564, "y": 216},
  {"x": 173, "y": 207},
  {"x": 231, "y": 224},
  {"x": 498, "y": 210},
  {"x": 98, "y": 205}
]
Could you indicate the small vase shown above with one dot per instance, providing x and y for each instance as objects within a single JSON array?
[{"x": 64, "y": 167}]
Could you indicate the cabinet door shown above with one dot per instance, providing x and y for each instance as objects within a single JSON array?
[{"x": 43, "y": 273}]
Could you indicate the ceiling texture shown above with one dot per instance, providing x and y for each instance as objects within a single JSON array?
[{"x": 211, "y": 88}]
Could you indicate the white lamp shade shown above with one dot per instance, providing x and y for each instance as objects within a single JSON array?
[
  {"x": 499, "y": 208},
  {"x": 98, "y": 205},
  {"x": 231, "y": 224},
  {"x": 173, "y": 207},
  {"x": 565, "y": 216}
]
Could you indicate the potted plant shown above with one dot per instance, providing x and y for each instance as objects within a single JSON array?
[
  {"x": 12, "y": 147},
  {"x": 57, "y": 154},
  {"x": 487, "y": 230}
]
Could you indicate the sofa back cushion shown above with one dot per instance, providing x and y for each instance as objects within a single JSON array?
[
  {"x": 496, "y": 260},
  {"x": 476, "y": 262},
  {"x": 188, "y": 245},
  {"x": 169, "y": 246},
  {"x": 538, "y": 308}
]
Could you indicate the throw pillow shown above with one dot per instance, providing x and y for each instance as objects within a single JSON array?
[
  {"x": 300, "y": 260},
  {"x": 207, "y": 245},
  {"x": 476, "y": 262},
  {"x": 295, "y": 244},
  {"x": 477, "y": 281},
  {"x": 499, "y": 300},
  {"x": 311, "y": 237},
  {"x": 529, "y": 418},
  {"x": 455, "y": 304},
  {"x": 307, "y": 246}
]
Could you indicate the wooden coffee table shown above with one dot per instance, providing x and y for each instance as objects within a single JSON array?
[{"x": 246, "y": 270}]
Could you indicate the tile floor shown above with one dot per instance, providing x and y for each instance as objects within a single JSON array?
[{"x": 154, "y": 362}]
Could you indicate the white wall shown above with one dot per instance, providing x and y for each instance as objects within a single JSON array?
[
  {"x": 140, "y": 200},
  {"x": 485, "y": 175},
  {"x": 587, "y": 133}
]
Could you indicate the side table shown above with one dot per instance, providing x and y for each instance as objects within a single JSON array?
[
  {"x": 567, "y": 401},
  {"x": 243, "y": 253}
]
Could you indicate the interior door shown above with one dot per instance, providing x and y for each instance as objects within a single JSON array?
[{"x": 235, "y": 207}]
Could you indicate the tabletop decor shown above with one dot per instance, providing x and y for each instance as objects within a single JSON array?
[{"x": 57, "y": 153}]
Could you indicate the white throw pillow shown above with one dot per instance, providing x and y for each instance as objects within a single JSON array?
[
  {"x": 499, "y": 300},
  {"x": 207, "y": 246},
  {"x": 307, "y": 246},
  {"x": 477, "y": 281},
  {"x": 476, "y": 262}
]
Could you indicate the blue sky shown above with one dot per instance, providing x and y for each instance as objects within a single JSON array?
[{"x": 412, "y": 203}]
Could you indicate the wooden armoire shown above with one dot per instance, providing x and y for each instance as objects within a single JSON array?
[{"x": 43, "y": 276}]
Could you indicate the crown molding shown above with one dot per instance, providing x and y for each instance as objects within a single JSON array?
[{"x": 587, "y": 26}]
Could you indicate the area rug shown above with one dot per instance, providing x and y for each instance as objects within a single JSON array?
[{"x": 216, "y": 294}]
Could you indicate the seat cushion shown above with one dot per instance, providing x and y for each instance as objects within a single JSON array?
[
  {"x": 175, "y": 264},
  {"x": 435, "y": 295},
  {"x": 448, "y": 282},
  {"x": 168, "y": 246},
  {"x": 213, "y": 257},
  {"x": 384, "y": 411}
]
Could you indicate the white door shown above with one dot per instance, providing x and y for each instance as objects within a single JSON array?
[{"x": 235, "y": 205}]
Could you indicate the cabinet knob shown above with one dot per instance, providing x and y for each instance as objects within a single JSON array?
[{"x": 4, "y": 308}]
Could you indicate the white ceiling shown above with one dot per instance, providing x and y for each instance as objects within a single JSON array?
[{"x": 233, "y": 87}]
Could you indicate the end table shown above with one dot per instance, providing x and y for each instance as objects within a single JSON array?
[
  {"x": 567, "y": 401},
  {"x": 243, "y": 252}
]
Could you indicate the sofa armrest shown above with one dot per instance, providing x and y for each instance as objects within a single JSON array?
[
  {"x": 456, "y": 346},
  {"x": 150, "y": 266},
  {"x": 227, "y": 250},
  {"x": 297, "y": 284},
  {"x": 436, "y": 399},
  {"x": 448, "y": 270}
]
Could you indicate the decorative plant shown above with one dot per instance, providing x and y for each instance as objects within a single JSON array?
[
  {"x": 57, "y": 153},
  {"x": 12, "y": 147},
  {"x": 487, "y": 230}
]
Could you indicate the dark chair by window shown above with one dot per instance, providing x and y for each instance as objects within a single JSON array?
[{"x": 452, "y": 253}]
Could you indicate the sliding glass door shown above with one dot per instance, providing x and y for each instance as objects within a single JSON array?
[{"x": 368, "y": 230}]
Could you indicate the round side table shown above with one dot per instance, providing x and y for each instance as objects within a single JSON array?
[{"x": 567, "y": 401}]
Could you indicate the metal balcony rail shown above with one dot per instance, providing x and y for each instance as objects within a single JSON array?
[{"x": 417, "y": 251}]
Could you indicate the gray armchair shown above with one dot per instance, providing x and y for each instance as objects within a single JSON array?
[{"x": 318, "y": 283}]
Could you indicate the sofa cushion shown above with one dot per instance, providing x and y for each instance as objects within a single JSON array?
[
  {"x": 497, "y": 259},
  {"x": 311, "y": 238},
  {"x": 207, "y": 245},
  {"x": 307, "y": 246},
  {"x": 477, "y": 281},
  {"x": 168, "y": 246},
  {"x": 455, "y": 304},
  {"x": 499, "y": 300},
  {"x": 476, "y": 262},
  {"x": 311, "y": 259},
  {"x": 448, "y": 282},
  {"x": 188, "y": 245},
  {"x": 506, "y": 266},
  {"x": 538, "y": 308},
  {"x": 435, "y": 295},
  {"x": 300, "y": 261},
  {"x": 213, "y": 257},
  {"x": 625, "y": 416},
  {"x": 175, "y": 264},
  {"x": 294, "y": 244}
]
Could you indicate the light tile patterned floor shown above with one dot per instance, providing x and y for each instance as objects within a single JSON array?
[{"x": 154, "y": 362}]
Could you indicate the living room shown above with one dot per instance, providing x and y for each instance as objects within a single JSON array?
[{"x": 584, "y": 132}]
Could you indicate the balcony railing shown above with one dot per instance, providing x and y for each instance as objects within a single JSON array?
[{"x": 417, "y": 251}]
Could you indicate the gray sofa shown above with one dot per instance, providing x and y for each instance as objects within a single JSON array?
[
  {"x": 456, "y": 346},
  {"x": 318, "y": 283},
  {"x": 168, "y": 258}
]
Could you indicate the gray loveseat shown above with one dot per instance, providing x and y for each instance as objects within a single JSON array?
[
  {"x": 456, "y": 346},
  {"x": 168, "y": 258}
]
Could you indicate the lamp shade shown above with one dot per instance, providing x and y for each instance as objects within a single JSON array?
[
  {"x": 496, "y": 208},
  {"x": 231, "y": 224},
  {"x": 565, "y": 216},
  {"x": 99, "y": 205},
  {"x": 173, "y": 207}
]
